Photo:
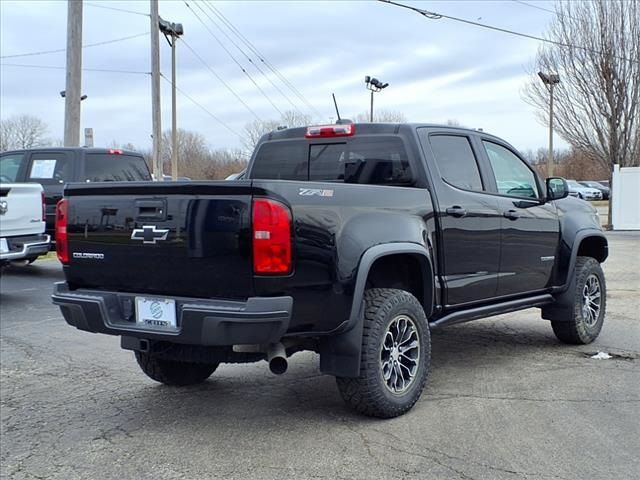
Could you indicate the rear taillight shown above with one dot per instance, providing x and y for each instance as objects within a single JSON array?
[
  {"x": 115, "y": 151},
  {"x": 44, "y": 207},
  {"x": 271, "y": 237},
  {"x": 62, "y": 241},
  {"x": 327, "y": 131}
]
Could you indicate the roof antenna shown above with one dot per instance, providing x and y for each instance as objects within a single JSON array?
[
  {"x": 340, "y": 121},
  {"x": 336, "y": 105}
]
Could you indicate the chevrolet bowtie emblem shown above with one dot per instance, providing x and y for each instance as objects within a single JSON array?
[{"x": 149, "y": 234}]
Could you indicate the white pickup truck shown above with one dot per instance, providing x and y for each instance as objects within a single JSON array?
[{"x": 22, "y": 223}]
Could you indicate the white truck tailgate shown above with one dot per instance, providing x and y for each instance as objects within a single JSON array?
[{"x": 21, "y": 209}]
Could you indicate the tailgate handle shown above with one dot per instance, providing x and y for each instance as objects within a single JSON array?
[{"x": 151, "y": 209}]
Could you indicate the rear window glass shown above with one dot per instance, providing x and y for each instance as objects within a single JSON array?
[
  {"x": 374, "y": 161},
  {"x": 103, "y": 167}
]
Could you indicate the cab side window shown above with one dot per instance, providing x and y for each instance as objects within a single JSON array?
[
  {"x": 10, "y": 166},
  {"x": 513, "y": 177}
]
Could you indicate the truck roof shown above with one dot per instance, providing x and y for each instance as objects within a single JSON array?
[
  {"x": 75, "y": 149},
  {"x": 372, "y": 129}
]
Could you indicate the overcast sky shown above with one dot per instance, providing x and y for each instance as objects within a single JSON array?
[{"x": 437, "y": 69}]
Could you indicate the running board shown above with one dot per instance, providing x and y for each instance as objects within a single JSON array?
[{"x": 491, "y": 310}]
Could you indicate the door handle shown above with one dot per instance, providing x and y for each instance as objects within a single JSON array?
[
  {"x": 511, "y": 214},
  {"x": 456, "y": 211},
  {"x": 151, "y": 209}
]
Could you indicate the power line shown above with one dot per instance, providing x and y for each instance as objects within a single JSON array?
[
  {"x": 202, "y": 107},
  {"x": 233, "y": 57},
  {"x": 213, "y": 72},
  {"x": 55, "y": 67},
  {"x": 438, "y": 16},
  {"x": 249, "y": 59},
  {"x": 262, "y": 58},
  {"x": 59, "y": 50},
  {"x": 116, "y": 9},
  {"x": 538, "y": 7}
]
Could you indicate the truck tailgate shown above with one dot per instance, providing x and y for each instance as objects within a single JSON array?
[
  {"x": 163, "y": 238},
  {"x": 20, "y": 209}
]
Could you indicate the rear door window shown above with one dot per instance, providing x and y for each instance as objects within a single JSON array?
[
  {"x": 105, "y": 167},
  {"x": 455, "y": 161},
  {"x": 50, "y": 168},
  {"x": 10, "y": 166}
]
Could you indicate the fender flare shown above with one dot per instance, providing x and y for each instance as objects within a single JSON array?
[
  {"x": 560, "y": 309},
  {"x": 340, "y": 353},
  {"x": 577, "y": 241}
]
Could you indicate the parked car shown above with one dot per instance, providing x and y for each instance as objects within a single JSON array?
[
  {"x": 53, "y": 167},
  {"x": 585, "y": 193},
  {"x": 236, "y": 176},
  {"x": 354, "y": 241},
  {"x": 598, "y": 186},
  {"x": 22, "y": 223}
]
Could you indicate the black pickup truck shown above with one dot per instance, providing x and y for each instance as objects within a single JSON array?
[
  {"x": 52, "y": 167},
  {"x": 351, "y": 240}
]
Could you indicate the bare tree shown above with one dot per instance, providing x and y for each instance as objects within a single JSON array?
[
  {"x": 254, "y": 130},
  {"x": 596, "y": 102},
  {"x": 382, "y": 116},
  {"x": 22, "y": 131}
]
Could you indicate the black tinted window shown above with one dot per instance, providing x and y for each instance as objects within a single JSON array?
[
  {"x": 10, "y": 165},
  {"x": 50, "y": 168},
  {"x": 376, "y": 160},
  {"x": 104, "y": 167},
  {"x": 456, "y": 161},
  {"x": 282, "y": 161}
]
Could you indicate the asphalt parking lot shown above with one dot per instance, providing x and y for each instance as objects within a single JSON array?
[{"x": 505, "y": 400}]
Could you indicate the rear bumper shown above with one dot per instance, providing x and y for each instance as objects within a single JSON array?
[
  {"x": 257, "y": 320},
  {"x": 26, "y": 247}
]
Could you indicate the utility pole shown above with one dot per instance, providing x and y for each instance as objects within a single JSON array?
[
  {"x": 173, "y": 31},
  {"x": 73, "y": 82},
  {"x": 374, "y": 85},
  {"x": 155, "y": 92},
  {"x": 550, "y": 80}
]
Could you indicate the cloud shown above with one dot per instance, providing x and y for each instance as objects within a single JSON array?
[{"x": 437, "y": 69}]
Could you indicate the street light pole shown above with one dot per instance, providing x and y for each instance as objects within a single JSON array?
[
  {"x": 174, "y": 31},
  {"x": 550, "y": 164},
  {"x": 371, "y": 114},
  {"x": 550, "y": 80},
  {"x": 374, "y": 85}
]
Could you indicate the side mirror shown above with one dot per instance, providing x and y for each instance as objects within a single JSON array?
[{"x": 557, "y": 188}]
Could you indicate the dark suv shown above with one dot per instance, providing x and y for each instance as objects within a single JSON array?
[{"x": 53, "y": 167}]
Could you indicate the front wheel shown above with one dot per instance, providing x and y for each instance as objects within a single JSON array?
[
  {"x": 583, "y": 322},
  {"x": 174, "y": 373},
  {"x": 396, "y": 353}
]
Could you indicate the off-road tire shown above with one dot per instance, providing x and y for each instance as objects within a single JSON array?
[
  {"x": 174, "y": 373},
  {"x": 368, "y": 394},
  {"x": 575, "y": 329}
]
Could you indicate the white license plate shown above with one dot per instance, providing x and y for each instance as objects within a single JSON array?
[
  {"x": 4, "y": 246},
  {"x": 156, "y": 313}
]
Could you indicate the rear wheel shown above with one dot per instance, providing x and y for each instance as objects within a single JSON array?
[
  {"x": 174, "y": 373},
  {"x": 583, "y": 322},
  {"x": 396, "y": 352}
]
